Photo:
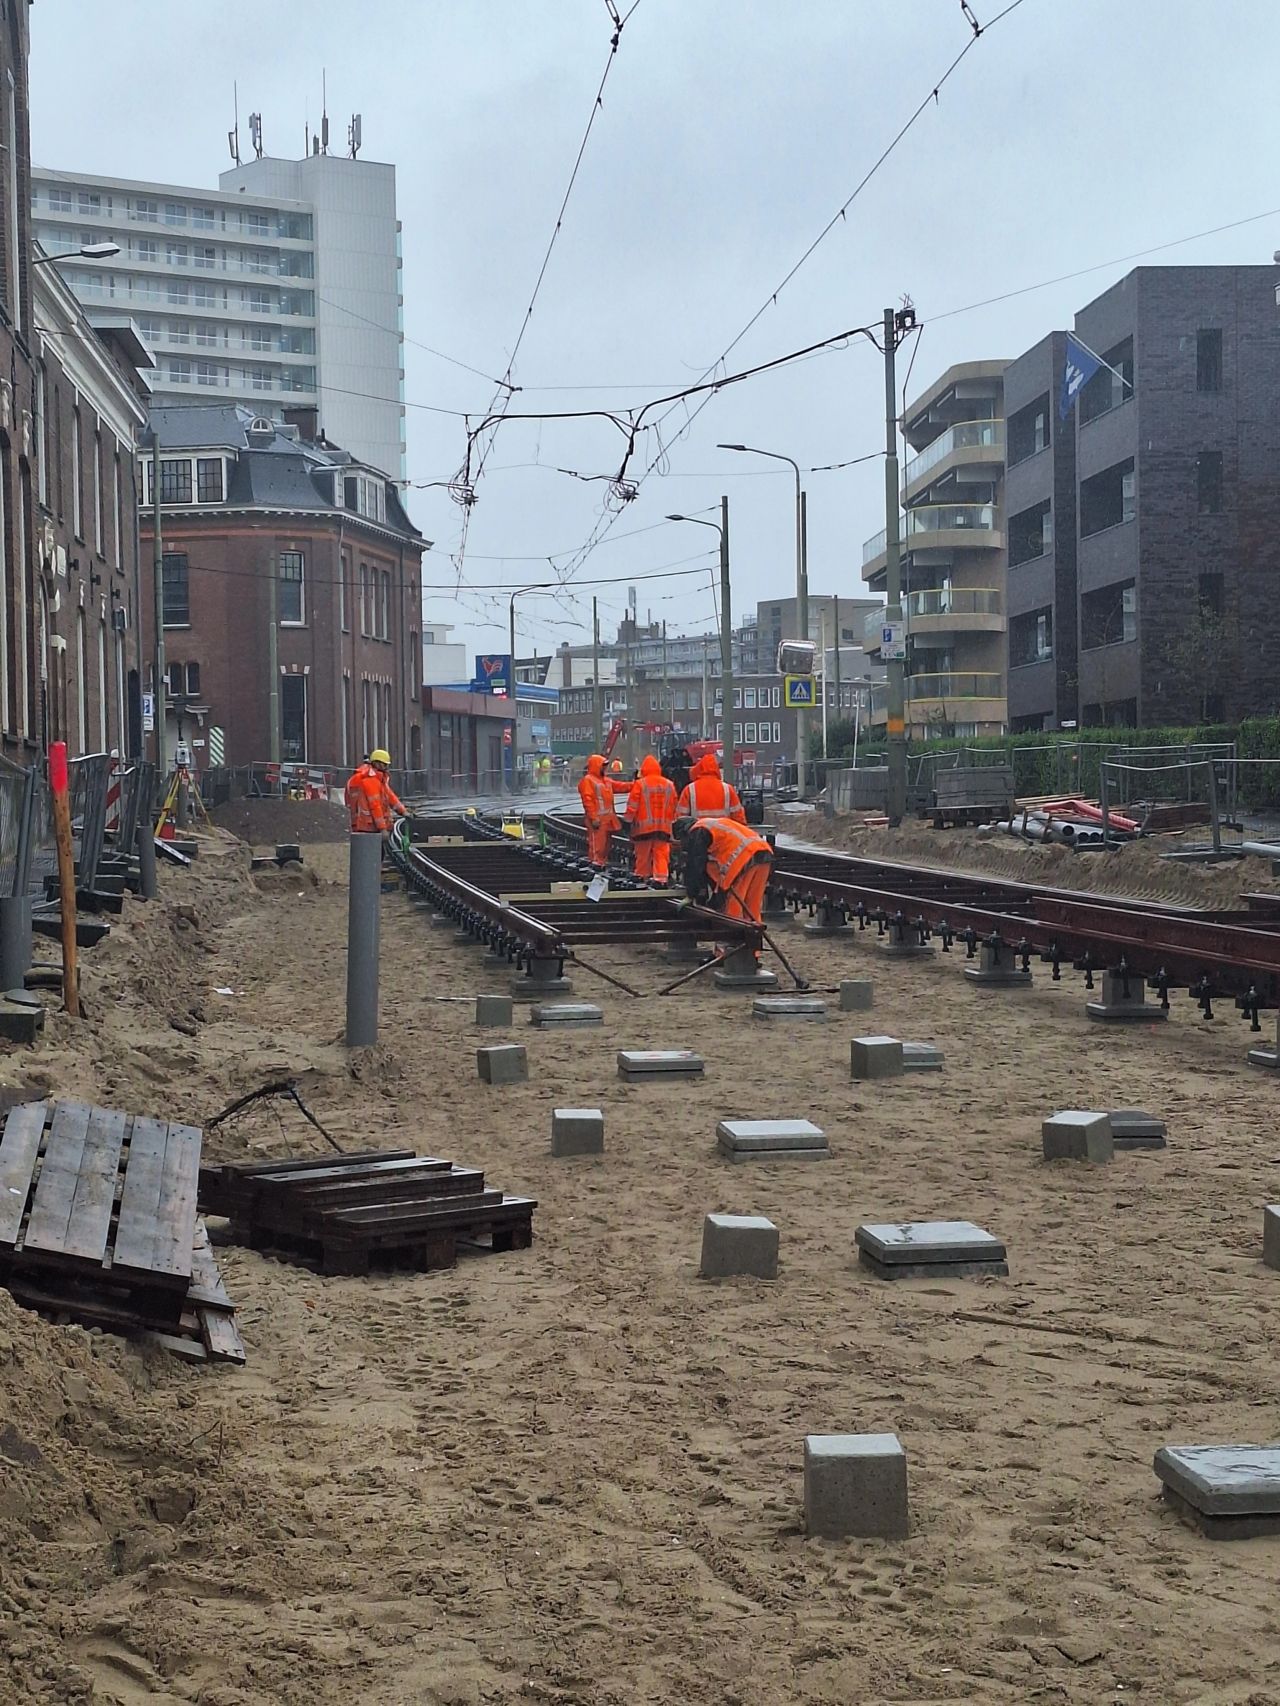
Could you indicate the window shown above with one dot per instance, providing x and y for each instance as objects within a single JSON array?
[
  {"x": 144, "y": 249},
  {"x": 1209, "y": 359},
  {"x": 1211, "y": 586},
  {"x": 150, "y": 327},
  {"x": 178, "y": 291},
  {"x": 13, "y": 272},
  {"x": 258, "y": 301},
  {"x": 144, "y": 209},
  {"x": 193, "y": 681},
  {"x": 751, "y": 733},
  {"x": 260, "y": 378},
  {"x": 175, "y": 254},
  {"x": 386, "y": 604},
  {"x": 1109, "y": 616},
  {"x": 202, "y": 218},
  {"x": 363, "y": 496},
  {"x": 364, "y": 598},
  {"x": 1107, "y": 499},
  {"x": 179, "y": 331},
  {"x": 118, "y": 495},
  {"x": 1030, "y": 533},
  {"x": 1209, "y": 482},
  {"x": 208, "y": 373},
  {"x": 59, "y": 199},
  {"x": 206, "y": 335},
  {"x": 749, "y": 700},
  {"x": 737, "y": 705},
  {"x": 205, "y": 256},
  {"x": 256, "y": 224},
  {"x": 1108, "y": 389},
  {"x": 175, "y": 478},
  {"x": 679, "y": 699},
  {"x": 175, "y": 576},
  {"x": 290, "y": 592},
  {"x": 175, "y": 213},
  {"x": 1031, "y": 637},
  {"x": 1027, "y": 431},
  {"x": 259, "y": 337},
  {"x": 77, "y": 477},
  {"x": 737, "y": 734},
  {"x": 42, "y": 430},
  {"x": 206, "y": 295},
  {"x": 97, "y": 492},
  {"x": 175, "y": 676},
  {"x": 209, "y": 488},
  {"x": 259, "y": 261},
  {"x": 90, "y": 204},
  {"x": 179, "y": 372}
]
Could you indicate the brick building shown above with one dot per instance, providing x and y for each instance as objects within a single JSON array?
[{"x": 272, "y": 534}]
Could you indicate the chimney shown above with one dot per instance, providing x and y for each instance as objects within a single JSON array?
[{"x": 306, "y": 417}]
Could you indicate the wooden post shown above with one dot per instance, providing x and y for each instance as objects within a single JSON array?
[{"x": 66, "y": 874}]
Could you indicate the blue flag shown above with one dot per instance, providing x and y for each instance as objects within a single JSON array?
[{"x": 1081, "y": 365}]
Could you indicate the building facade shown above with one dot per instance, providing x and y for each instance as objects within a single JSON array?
[
  {"x": 952, "y": 557},
  {"x": 467, "y": 741},
  {"x": 277, "y": 546},
  {"x": 280, "y": 288}
]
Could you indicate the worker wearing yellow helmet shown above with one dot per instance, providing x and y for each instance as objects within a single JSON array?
[{"x": 370, "y": 799}]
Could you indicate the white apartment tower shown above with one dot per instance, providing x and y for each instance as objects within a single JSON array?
[{"x": 279, "y": 289}]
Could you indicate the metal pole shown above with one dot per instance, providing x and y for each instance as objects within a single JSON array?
[
  {"x": 273, "y": 662},
  {"x": 1215, "y": 820},
  {"x": 707, "y": 725},
  {"x": 822, "y": 629},
  {"x": 162, "y": 761},
  {"x": 835, "y": 617},
  {"x": 515, "y": 726},
  {"x": 668, "y": 708},
  {"x": 146, "y": 839},
  {"x": 597, "y": 698},
  {"x": 362, "y": 939},
  {"x": 802, "y": 623},
  {"x": 896, "y": 728},
  {"x": 1103, "y": 801},
  {"x": 857, "y": 722},
  {"x": 726, "y": 640}
]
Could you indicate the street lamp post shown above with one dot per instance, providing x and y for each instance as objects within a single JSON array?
[
  {"x": 802, "y": 602},
  {"x": 726, "y": 626},
  {"x": 86, "y": 252}
]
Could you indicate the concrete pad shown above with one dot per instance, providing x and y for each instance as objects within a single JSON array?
[
  {"x": 997, "y": 968},
  {"x": 728, "y": 1153},
  {"x": 494, "y": 1010},
  {"x": 545, "y": 1013},
  {"x": 659, "y": 1063},
  {"x": 1118, "y": 1008},
  {"x": 1223, "y": 1480},
  {"x": 1077, "y": 1134},
  {"x": 739, "y": 1244},
  {"x": 1265, "y": 1054},
  {"x": 929, "y": 1241},
  {"x": 857, "y": 995},
  {"x": 855, "y": 1484},
  {"x": 875, "y": 1057},
  {"x": 792, "y": 1007},
  {"x": 577, "y": 1131},
  {"x": 1271, "y": 1235},
  {"x": 1132, "y": 1129},
  {"x": 906, "y": 950},
  {"x": 770, "y": 1135},
  {"x": 758, "y": 979},
  {"x": 921, "y": 1057},
  {"x": 502, "y": 1063},
  {"x": 526, "y": 988},
  {"x": 440, "y": 920}
]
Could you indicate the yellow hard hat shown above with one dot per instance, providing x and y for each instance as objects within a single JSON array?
[{"x": 378, "y": 756}]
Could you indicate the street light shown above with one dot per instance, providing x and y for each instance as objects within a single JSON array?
[
  {"x": 535, "y": 586},
  {"x": 86, "y": 252},
  {"x": 726, "y": 626},
  {"x": 802, "y": 601}
]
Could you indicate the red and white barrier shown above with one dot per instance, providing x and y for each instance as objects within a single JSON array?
[{"x": 113, "y": 792}]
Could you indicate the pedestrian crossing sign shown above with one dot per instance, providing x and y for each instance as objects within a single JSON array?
[{"x": 797, "y": 692}]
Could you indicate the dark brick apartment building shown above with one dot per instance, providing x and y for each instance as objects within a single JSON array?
[{"x": 249, "y": 508}]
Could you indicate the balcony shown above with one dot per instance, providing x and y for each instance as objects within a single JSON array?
[
  {"x": 938, "y": 527},
  {"x": 967, "y": 444},
  {"x": 953, "y": 697}
]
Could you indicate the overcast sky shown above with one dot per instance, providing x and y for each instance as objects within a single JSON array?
[{"x": 1075, "y": 132}]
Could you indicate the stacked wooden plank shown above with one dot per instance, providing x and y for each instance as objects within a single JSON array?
[
  {"x": 98, "y": 1225},
  {"x": 379, "y": 1207}
]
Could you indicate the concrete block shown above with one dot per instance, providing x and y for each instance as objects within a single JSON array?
[
  {"x": 875, "y": 1057},
  {"x": 566, "y": 1013},
  {"x": 930, "y": 1249},
  {"x": 503, "y": 1063},
  {"x": 789, "y": 1007},
  {"x": 494, "y": 1009},
  {"x": 921, "y": 1057},
  {"x": 739, "y": 1244},
  {"x": 770, "y": 1136},
  {"x": 1229, "y": 1492},
  {"x": 758, "y": 978},
  {"x": 577, "y": 1131},
  {"x": 997, "y": 968},
  {"x": 1124, "y": 1004},
  {"x": 526, "y": 988},
  {"x": 20, "y": 1023},
  {"x": 911, "y": 949},
  {"x": 827, "y": 922},
  {"x": 855, "y": 1484},
  {"x": 1271, "y": 1235},
  {"x": 636, "y": 1063},
  {"x": 857, "y": 995},
  {"x": 1132, "y": 1129},
  {"x": 1077, "y": 1134}
]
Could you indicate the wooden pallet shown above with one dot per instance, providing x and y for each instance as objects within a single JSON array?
[
  {"x": 384, "y": 1208},
  {"x": 98, "y": 1224}
]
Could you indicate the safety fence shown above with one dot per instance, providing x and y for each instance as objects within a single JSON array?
[
  {"x": 28, "y": 851},
  {"x": 327, "y": 781}
]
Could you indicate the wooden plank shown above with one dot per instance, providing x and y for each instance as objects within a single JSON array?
[
  {"x": 247, "y": 1169},
  {"x": 191, "y": 1350},
  {"x": 393, "y": 1188},
  {"x": 206, "y": 1289},
  {"x": 19, "y": 1148},
  {"x": 95, "y": 1195},
  {"x": 397, "y": 1218},
  {"x": 307, "y": 1182},
  {"x": 59, "y": 1174},
  {"x": 176, "y": 1211},
  {"x": 140, "y": 1195},
  {"x": 221, "y": 1336}
]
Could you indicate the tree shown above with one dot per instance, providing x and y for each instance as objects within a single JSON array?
[{"x": 1197, "y": 661}]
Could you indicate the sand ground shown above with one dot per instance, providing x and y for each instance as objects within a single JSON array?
[{"x": 573, "y": 1474}]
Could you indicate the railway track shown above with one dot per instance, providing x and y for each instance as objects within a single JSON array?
[{"x": 1213, "y": 955}]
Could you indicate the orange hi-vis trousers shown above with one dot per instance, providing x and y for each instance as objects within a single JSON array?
[
  {"x": 598, "y": 842},
  {"x": 653, "y": 857},
  {"x": 744, "y": 897}
]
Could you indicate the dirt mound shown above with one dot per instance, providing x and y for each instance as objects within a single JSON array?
[{"x": 264, "y": 823}]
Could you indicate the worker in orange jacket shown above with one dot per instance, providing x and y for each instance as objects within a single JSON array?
[
  {"x": 596, "y": 793},
  {"x": 369, "y": 796},
  {"x": 651, "y": 811},
  {"x": 727, "y": 864},
  {"x": 707, "y": 794}
]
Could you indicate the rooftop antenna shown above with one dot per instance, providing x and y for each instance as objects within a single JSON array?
[
  {"x": 255, "y": 131},
  {"x": 233, "y": 135},
  {"x": 324, "y": 112},
  {"x": 354, "y": 138}
]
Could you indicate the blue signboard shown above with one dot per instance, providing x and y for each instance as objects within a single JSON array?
[{"x": 493, "y": 674}]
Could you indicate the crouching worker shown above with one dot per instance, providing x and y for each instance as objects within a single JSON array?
[{"x": 726, "y": 865}]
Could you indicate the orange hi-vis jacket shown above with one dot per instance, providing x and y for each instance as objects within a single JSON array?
[
  {"x": 651, "y": 808},
  {"x": 710, "y": 796},
  {"x": 596, "y": 794},
  {"x": 371, "y": 802},
  {"x": 733, "y": 847}
]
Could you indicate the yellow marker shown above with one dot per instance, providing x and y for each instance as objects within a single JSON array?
[{"x": 895, "y": 725}]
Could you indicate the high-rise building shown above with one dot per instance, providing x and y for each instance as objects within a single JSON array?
[
  {"x": 279, "y": 288},
  {"x": 953, "y": 557}
]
